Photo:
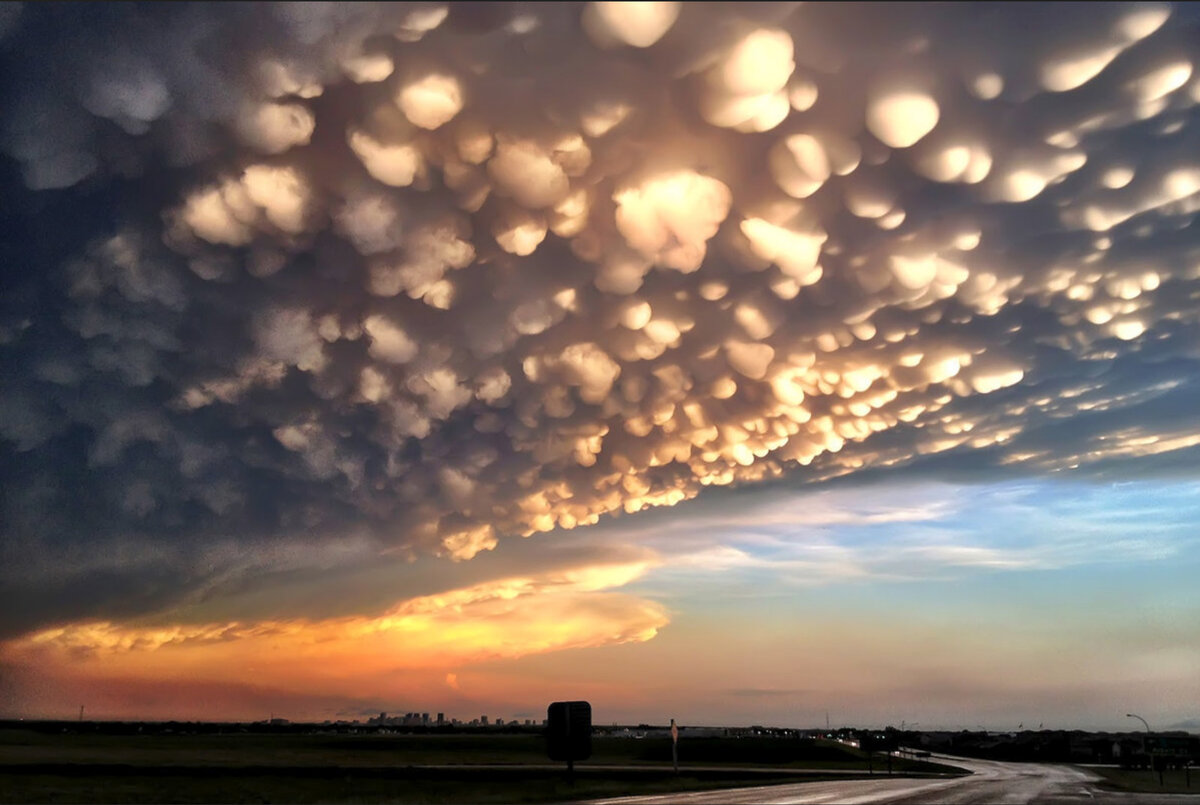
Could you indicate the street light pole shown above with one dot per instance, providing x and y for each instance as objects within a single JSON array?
[
  {"x": 1145, "y": 745},
  {"x": 1139, "y": 718}
]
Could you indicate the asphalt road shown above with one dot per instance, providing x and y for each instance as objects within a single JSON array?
[{"x": 990, "y": 782}]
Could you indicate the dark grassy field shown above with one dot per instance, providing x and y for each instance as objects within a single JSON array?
[
  {"x": 1174, "y": 781},
  {"x": 73, "y": 767},
  {"x": 348, "y": 785},
  {"x": 249, "y": 749}
]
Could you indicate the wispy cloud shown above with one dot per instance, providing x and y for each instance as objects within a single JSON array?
[
  {"x": 921, "y": 531},
  {"x": 764, "y": 693}
]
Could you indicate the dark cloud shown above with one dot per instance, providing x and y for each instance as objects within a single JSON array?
[{"x": 417, "y": 278}]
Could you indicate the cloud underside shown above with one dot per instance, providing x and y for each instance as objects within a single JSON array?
[
  {"x": 417, "y": 639},
  {"x": 425, "y": 277}
]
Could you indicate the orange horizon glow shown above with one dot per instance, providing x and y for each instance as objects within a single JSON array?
[{"x": 428, "y": 638}]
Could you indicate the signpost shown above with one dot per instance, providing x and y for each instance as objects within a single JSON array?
[
  {"x": 675, "y": 747},
  {"x": 1168, "y": 751},
  {"x": 569, "y": 733},
  {"x": 867, "y": 743}
]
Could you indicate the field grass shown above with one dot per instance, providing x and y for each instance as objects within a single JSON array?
[
  {"x": 343, "y": 785},
  {"x": 485, "y": 768},
  {"x": 1174, "y": 781},
  {"x": 250, "y": 749}
]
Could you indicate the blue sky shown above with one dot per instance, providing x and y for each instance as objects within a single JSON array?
[{"x": 1045, "y": 578}]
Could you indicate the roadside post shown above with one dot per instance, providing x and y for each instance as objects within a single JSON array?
[
  {"x": 569, "y": 733},
  {"x": 866, "y": 742},
  {"x": 675, "y": 747}
]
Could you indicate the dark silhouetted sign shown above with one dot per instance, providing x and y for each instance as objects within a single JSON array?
[{"x": 569, "y": 731}]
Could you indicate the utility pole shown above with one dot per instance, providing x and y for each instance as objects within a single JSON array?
[{"x": 675, "y": 747}]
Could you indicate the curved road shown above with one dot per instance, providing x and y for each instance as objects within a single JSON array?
[{"x": 990, "y": 782}]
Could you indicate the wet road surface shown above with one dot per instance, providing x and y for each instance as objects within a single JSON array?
[{"x": 990, "y": 782}]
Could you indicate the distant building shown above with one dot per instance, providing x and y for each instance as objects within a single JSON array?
[
  {"x": 483, "y": 721},
  {"x": 441, "y": 719}
]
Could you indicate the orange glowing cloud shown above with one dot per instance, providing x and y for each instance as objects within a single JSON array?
[{"x": 498, "y": 619}]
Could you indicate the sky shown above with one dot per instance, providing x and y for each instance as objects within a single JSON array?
[{"x": 737, "y": 363}]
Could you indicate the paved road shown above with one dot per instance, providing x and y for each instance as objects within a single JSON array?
[{"x": 990, "y": 782}]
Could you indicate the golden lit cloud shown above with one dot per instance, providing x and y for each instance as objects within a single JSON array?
[{"x": 502, "y": 619}]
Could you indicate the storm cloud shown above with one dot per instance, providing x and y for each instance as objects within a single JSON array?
[{"x": 291, "y": 282}]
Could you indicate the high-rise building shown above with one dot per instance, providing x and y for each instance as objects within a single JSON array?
[
  {"x": 483, "y": 721},
  {"x": 441, "y": 719}
]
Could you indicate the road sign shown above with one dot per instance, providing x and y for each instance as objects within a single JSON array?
[
  {"x": 569, "y": 731},
  {"x": 1167, "y": 744}
]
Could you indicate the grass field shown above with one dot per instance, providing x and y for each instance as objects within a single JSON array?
[
  {"x": 41, "y": 767},
  {"x": 1174, "y": 781},
  {"x": 338, "y": 785}
]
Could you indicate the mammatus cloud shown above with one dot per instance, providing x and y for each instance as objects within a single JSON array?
[{"x": 433, "y": 276}]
